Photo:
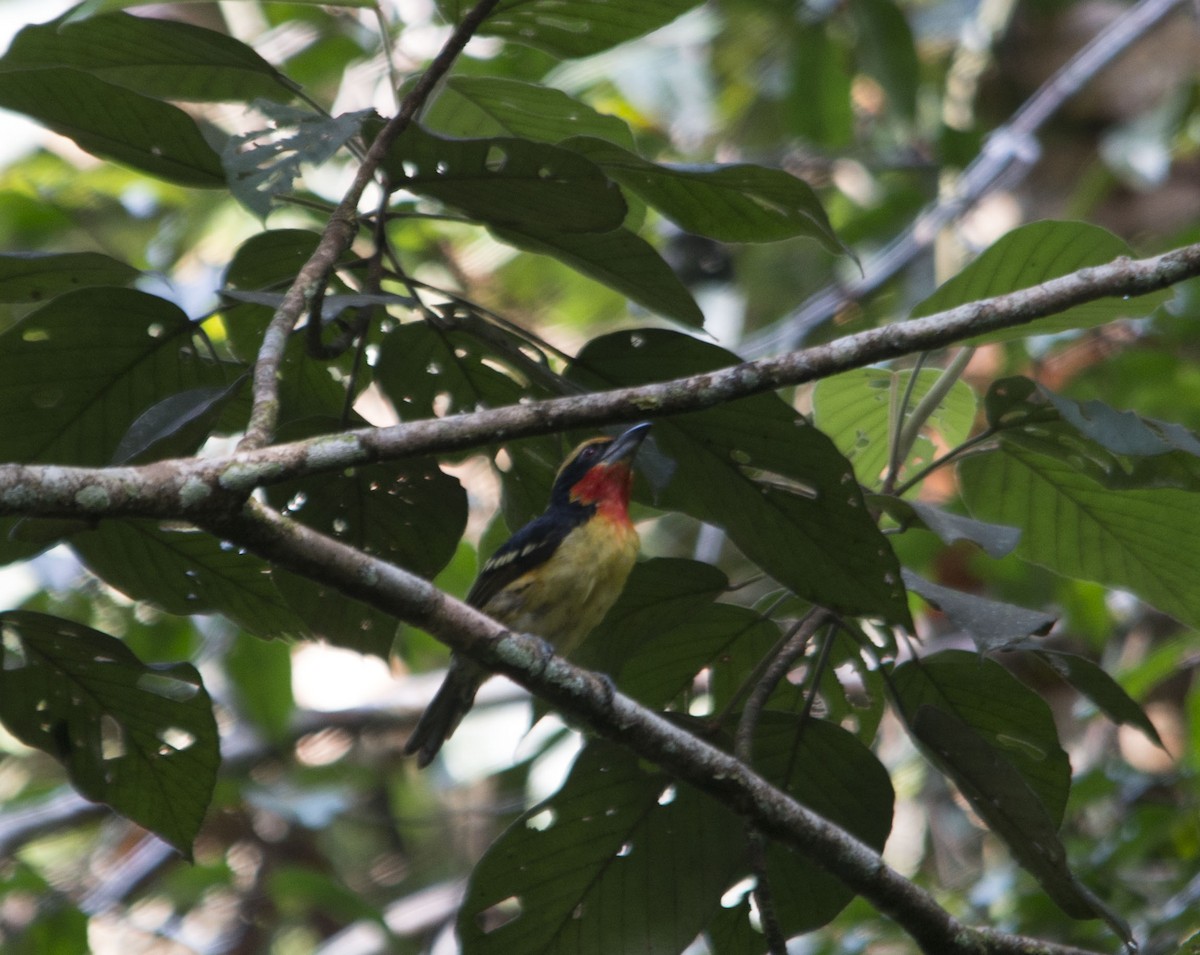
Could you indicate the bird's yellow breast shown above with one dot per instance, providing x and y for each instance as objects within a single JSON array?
[{"x": 562, "y": 599}]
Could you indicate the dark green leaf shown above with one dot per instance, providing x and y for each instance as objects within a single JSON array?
[
  {"x": 778, "y": 486},
  {"x": 175, "y": 426},
  {"x": 1036, "y": 253},
  {"x": 1011, "y": 718},
  {"x": 996, "y": 540},
  {"x": 35, "y": 277},
  {"x": 115, "y": 123},
  {"x": 1144, "y": 540},
  {"x": 852, "y": 790},
  {"x": 186, "y": 572},
  {"x": 505, "y": 181},
  {"x": 156, "y": 57},
  {"x": 409, "y": 513},
  {"x": 1103, "y": 690},
  {"x": 734, "y": 203},
  {"x": 611, "y": 863},
  {"x": 476, "y": 106},
  {"x": 992, "y": 625},
  {"x": 857, "y": 409},
  {"x": 75, "y": 374},
  {"x": 569, "y": 28},
  {"x": 141, "y": 739},
  {"x": 1123, "y": 432},
  {"x": 1002, "y": 796},
  {"x": 619, "y": 259}
]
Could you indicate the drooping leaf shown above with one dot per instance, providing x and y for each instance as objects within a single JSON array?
[
  {"x": 1123, "y": 432},
  {"x": 1003, "y": 797},
  {"x": 507, "y": 182},
  {"x": 475, "y": 106},
  {"x": 186, "y": 572},
  {"x": 570, "y": 28},
  {"x": 732, "y": 203},
  {"x": 1142, "y": 539},
  {"x": 1011, "y": 718},
  {"x": 1036, "y": 253},
  {"x": 996, "y": 540},
  {"x": 992, "y": 625},
  {"x": 851, "y": 789},
  {"x": 857, "y": 409},
  {"x": 141, "y": 739},
  {"x": 1108, "y": 695},
  {"x": 76, "y": 373},
  {"x": 115, "y": 123},
  {"x": 167, "y": 59},
  {"x": 176, "y": 425},
  {"x": 887, "y": 52},
  {"x": 612, "y": 862},
  {"x": 778, "y": 486},
  {"x": 36, "y": 277},
  {"x": 619, "y": 259}
]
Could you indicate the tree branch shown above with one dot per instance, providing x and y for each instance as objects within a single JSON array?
[
  {"x": 203, "y": 489},
  {"x": 339, "y": 233},
  {"x": 591, "y": 700}
]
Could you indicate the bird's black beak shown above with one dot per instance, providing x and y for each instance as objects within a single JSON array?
[{"x": 626, "y": 446}]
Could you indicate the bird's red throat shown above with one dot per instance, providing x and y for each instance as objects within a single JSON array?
[{"x": 608, "y": 488}]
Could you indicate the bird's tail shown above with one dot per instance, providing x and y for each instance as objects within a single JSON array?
[{"x": 451, "y": 703}]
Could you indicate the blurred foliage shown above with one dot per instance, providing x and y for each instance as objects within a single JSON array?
[{"x": 600, "y": 195}]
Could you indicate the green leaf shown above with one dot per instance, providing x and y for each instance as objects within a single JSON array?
[
  {"x": 851, "y": 790},
  {"x": 819, "y": 103},
  {"x": 996, "y": 540},
  {"x": 141, "y": 739},
  {"x": 261, "y": 674},
  {"x": 992, "y": 625},
  {"x": 409, "y": 513},
  {"x": 857, "y": 409},
  {"x": 476, "y": 106},
  {"x": 1035, "y": 253},
  {"x": 570, "y": 28},
  {"x": 778, "y": 486},
  {"x": 612, "y": 862},
  {"x": 186, "y": 572},
  {"x": 76, "y": 373},
  {"x": 92, "y": 8},
  {"x": 115, "y": 123},
  {"x": 733, "y": 203},
  {"x": 619, "y": 259},
  {"x": 35, "y": 277},
  {"x": 1146, "y": 540},
  {"x": 175, "y": 426},
  {"x": 505, "y": 181},
  {"x": 1011, "y": 718},
  {"x": 1123, "y": 432},
  {"x": 1108, "y": 695},
  {"x": 166, "y": 59},
  {"x": 1002, "y": 796}
]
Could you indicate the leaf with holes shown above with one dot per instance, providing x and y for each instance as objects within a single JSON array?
[
  {"x": 1035, "y": 253},
  {"x": 38, "y": 277},
  {"x": 141, "y": 739},
  {"x": 612, "y": 862},
  {"x": 993, "y": 625},
  {"x": 76, "y": 373},
  {"x": 777, "y": 485},
  {"x": 570, "y": 28},
  {"x": 115, "y": 123},
  {"x": 857, "y": 409},
  {"x": 185, "y": 571},
  {"x": 505, "y": 181}
]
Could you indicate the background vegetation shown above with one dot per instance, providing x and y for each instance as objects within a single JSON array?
[{"x": 300, "y": 307}]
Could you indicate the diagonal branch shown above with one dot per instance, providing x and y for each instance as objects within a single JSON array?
[
  {"x": 339, "y": 233},
  {"x": 591, "y": 700},
  {"x": 199, "y": 489}
]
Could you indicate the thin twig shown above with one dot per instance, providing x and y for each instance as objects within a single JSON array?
[{"x": 339, "y": 233}]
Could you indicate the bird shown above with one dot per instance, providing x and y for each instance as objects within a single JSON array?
[{"x": 555, "y": 578}]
